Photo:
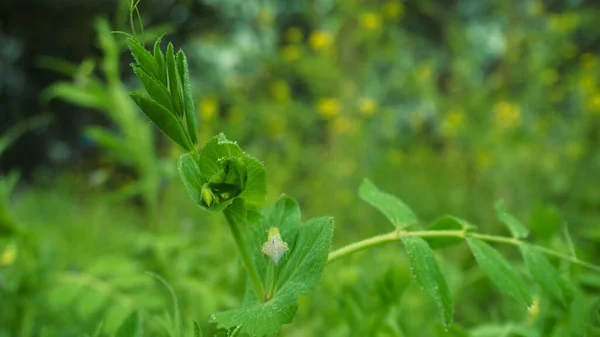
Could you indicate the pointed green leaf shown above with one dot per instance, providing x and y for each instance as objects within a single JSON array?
[
  {"x": 143, "y": 58},
  {"x": 109, "y": 141},
  {"x": 427, "y": 272},
  {"x": 163, "y": 119},
  {"x": 544, "y": 273},
  {"x": 190, "y": 175},
  {"x": 448, "y": 222},
  {"x": 500, "y": 271},
  {"x": 188, "y": 98},
  {"x": 578, "y": 315},
  {"x": 515, "y": 226},
  {"x": 159, "y": 58},
  {"x": 82, "y": 96},
  {"x": 132, "y": 327},
  {"x": 304, "y": 268},
  {"x": 197, "y": 330},
  {"x": 174, "y": 81},
  {"x": 155, "y": 89},
  {"x": 394, "y": 209}
]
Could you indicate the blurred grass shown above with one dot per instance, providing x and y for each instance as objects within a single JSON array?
[{"x": 500, "y": 101}]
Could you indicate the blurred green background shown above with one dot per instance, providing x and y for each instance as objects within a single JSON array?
[{"x": 450, "y": 105}]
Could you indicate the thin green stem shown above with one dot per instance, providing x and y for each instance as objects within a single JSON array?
[
  {"x": 245, "y": 254},
  {"x": 399, "y": 234},
  {"x": 271, "y": 280}
]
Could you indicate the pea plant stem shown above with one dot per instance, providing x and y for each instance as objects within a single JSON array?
[
  {"x": 399, "y": 234},
  {"x": 245, "y": 254}
]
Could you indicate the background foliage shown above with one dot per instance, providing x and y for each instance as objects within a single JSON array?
[{"x": 450, "y": 105}]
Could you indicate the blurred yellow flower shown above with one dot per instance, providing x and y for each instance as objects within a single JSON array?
[
  {"x": 320, "y": 40},
  {"x": 329, "y": 107},
  {"x": 368, "y": 106},
  {"x": 280, "y": 91},
  {"x": 549, "y": 76},
  {"x": 293, "y": 35},
  {"x": 264, "y": 17},
  {"x": 549, "y": 161},
  {"x": 235, "y": 115},
  {"x": 536, "y": 8},
  {"x": 588, "y": 61},
  {"x": 395, "y": 157},
  {"x": 276, "y": 127},
  {"x": 9, "y": 255},
  {"x": 424, "y": 71},
  {"x": 574, "y": 150},
  {"x": 393, "y": 9},
  {"x": 483, "y": 159},
  {"x": 533, "y": 311},
  {"x": 290, "y": 53},
  {"x": 453, "y": 121},
  {"x": 570, "y": 50},
  {"x": 593, "y": 102},
  {"x": 588, "y": 83},
  {"x": 370, "y": 21},
  {"x": 564, "y": 22},
  {"x": 343, "y": 125},
  {"x": 209, "y": 108},
  {"x": 507, "y": 115}
]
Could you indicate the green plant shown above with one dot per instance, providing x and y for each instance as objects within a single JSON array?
[
  {"x": 285, "y": 259},
  {"x": 132, "y": 144}
]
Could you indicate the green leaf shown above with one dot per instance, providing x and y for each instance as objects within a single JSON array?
[
  {"x": 143, "y": 58},
  {"x": 515, "y": 227},
  {"x": 188, "y": 99},
  {"x": 578, "y": 315},
  {"x": 163, "y": 119},
  {"x": 132, "y": 327},
  {"x": 159, "y": 58},
  {"x": 155, "y": 89},
  {"x": 218, "y": 148},
  {"x": 394, "y": 209},
  {"x": 500, "y": 271},
  {"x": 255, "y": 190},
  {"x": 427, "y": 272},
  {"x": 190, "y": 175},
  {"x": 197, "y": 330},
  {"x": 299, "y": 271},
  {"x": 81, "y": 96},
  {"x": 448, "y": 222},
  {"x": 174, "y": 80},
  {"x": 544, "y": 273},
  {"x": 109, "y": 141}
]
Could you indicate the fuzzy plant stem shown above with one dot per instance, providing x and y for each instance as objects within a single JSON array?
[
  {"x": 399, "y": 234},
  {"x": 245, "y": 254}
]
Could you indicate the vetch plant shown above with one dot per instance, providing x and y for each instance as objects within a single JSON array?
[{"x": 284, "y": 257}]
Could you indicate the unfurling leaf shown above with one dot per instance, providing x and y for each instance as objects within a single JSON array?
[
  {"x": 189, "y": 111},
  {"x": 174, "y": 81},
  {"x": 221, "y": 173},
  {"x": 427, "y": 272},
  {"x": 502, "y": 274},
  {"x": 392, "y": 207}
]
